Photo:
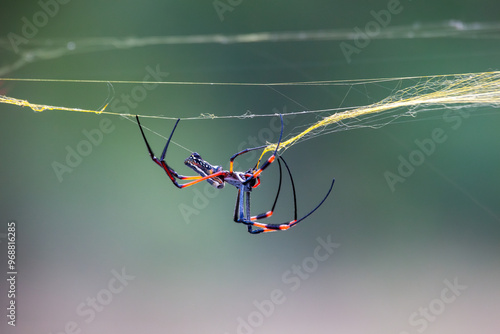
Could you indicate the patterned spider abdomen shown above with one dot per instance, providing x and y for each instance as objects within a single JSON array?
[{"x": 203, "y": 168}]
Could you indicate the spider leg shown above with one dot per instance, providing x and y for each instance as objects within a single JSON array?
[
  {"x": 231, "y": 160},
  {"x": 172, "y": 174},
  {"x": 151, "y": 154},
  {"x": 242, "y": 212},
  {"x": 270, "y": 212},
  {"x": 284, "y": 226},
  {"x": 237, "y": 209},
  {"x": 242, "y": 209},
  {"x": 247, "y": 211}
]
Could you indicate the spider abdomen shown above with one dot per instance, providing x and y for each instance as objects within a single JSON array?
[{"x": 204, "y": 168}]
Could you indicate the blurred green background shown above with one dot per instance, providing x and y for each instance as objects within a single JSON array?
[{"x": 204, "y": 273}]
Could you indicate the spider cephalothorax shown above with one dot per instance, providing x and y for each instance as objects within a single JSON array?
[{"x": 243, "y": 181}]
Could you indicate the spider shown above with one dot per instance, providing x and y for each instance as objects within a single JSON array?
[{"x": 243, "y": 181}]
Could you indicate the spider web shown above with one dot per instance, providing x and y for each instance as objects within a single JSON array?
[
  {"x": 392, "y": 99},
  {"x": 408, "y": 99}
]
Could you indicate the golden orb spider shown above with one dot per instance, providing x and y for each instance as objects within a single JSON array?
[{"x": 243, "y": 181}]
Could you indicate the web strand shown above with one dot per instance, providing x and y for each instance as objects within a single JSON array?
[{"x": 429, "y": 93}]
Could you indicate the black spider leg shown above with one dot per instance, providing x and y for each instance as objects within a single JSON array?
[
  {"x": 268, "y": 214},
  {"x": 266, "y": 164},
  {"x": 285, "y": 226},
  {"x": 172, "y": 174},
  {"x": 234, "y": 156},
  {"x": 242, "y": 208},
  {"x": 293, "y": 189},
  {"x": 237, "y": 209},
  {"x": 242, "y": 212}
]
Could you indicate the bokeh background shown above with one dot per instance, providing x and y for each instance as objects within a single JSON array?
[{"x": 116, "y": 212}]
